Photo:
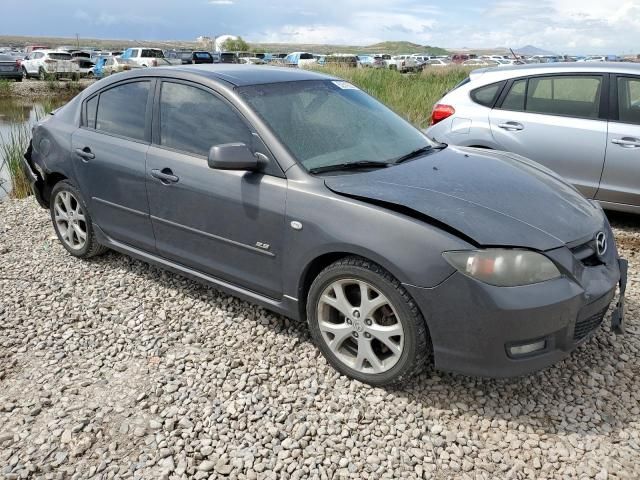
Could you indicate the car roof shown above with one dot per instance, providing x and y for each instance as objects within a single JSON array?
[
  {"x": 512, "y": 71},
  {"x": 242, "y": 75}
]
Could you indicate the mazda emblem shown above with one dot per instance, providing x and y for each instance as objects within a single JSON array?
[{"x": 601, "y": 243}]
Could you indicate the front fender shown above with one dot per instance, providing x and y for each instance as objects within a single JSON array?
[{"x": 409, "y": 248}]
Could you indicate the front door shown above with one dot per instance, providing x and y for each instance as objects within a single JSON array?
[
  {"x": 556, "y": 120},
  {"x": 228, "y": 224},
  {"x": 621, "y": 175},
  {"x": 109, "y": 153}
]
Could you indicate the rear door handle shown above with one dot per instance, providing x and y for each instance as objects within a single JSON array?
[
  {"x": 511, "y": 126},
  {"x": 85, "y": 153},
  {"x": 627, "y": 142},
  {"x": 165, "y": 175}
]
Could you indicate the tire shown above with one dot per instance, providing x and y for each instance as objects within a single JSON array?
[
  {"x": 24, "y": 73},
  {"x": 90, "y": 247},
  {"x": 398, "y": 357},
  {"x": 42, "y": 75},
  {"x": 18, "y": 79}
]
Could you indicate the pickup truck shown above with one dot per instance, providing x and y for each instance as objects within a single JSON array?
[{"x": 149, "y": 57}]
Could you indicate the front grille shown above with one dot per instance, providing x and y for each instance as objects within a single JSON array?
[
  {"x": 587, "y": 254},
  {"x": 587, "y": 325}
]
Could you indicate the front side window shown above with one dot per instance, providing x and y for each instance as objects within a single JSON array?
[
  {"x": 325, "y": 123},
  {"x": 122, "y": 110},
  {"x": 629, "y": 100},
  {"x": 193, "y": 120},
  {"x": 564, "y": 95}
]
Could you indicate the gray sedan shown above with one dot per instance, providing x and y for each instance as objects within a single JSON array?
[
  {"x": 10, "y": 67},
  {"x": 299, "y": 192},
  {"x": 581, "y": 120}
]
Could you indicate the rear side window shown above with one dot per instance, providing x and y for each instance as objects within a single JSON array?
[
  {"x": 193, "y": 120},
  {"x": 629, "y": 100},
  {"x": 122, "y": 110},
  {"x": 515, "y": 98},
  {"x": 149, "y": 53},
  {"x": 60, "y": 56},
  {"x": 487, "y": 95},
  {"x": 92, "y": 110},
  {"x": 571, "y": 96}
]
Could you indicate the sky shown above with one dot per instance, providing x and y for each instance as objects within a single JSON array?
[{"x": 562, "y": 26}]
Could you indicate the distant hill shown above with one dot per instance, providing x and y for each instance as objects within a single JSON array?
[
  {"x": 531, "y": 50},
  {"x": 383, "y": 47}
]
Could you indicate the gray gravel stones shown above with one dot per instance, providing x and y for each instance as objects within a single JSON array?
[{"x": 111, "y": 368}]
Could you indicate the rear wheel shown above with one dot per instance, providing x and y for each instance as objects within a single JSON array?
[
  {"x": 72, "y": 221},
  {"x": 42, "y": 75},
  {"x": 366, "y": 324}
]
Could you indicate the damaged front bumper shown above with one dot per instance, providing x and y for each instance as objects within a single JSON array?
[
  {"x": 35, "y": 178},
  {"x": 617, "y": 317}
]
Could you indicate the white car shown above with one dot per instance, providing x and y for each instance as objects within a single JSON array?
[
  {"x": 149, "y": 57},
  {"x": 49, "y": 63},
  {"x": 439, "y": 62}
]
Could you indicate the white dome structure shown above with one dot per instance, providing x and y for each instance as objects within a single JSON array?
[{"x": 220, "y": 41}]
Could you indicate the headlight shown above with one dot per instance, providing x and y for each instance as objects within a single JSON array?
[{"x": 502, "y": 267}]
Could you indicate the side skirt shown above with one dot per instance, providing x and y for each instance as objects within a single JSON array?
[{"x": 287, "y": 307}]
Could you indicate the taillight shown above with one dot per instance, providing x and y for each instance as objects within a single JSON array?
[
  {"x": 18, "y": 64},
  {"x": 49, "y": 61},
  {"x": 440, "y": 112}
]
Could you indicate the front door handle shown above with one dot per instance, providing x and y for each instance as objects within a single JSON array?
[
  {"x": 627, "y": 142},
  {"x": 165, "y": 175},
  {"x": 511, "y": 126},
  {"x": 85, "y": 153}
]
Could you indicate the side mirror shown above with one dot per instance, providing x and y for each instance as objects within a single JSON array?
[{"x": 233, "y": 156}]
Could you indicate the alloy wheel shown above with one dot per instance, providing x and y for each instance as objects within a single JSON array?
[
  {"x": 70, "y": 220},
  {"x": 360, "y": 326}
]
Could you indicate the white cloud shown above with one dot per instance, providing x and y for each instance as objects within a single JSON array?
[{"x": 361, "y": 27}]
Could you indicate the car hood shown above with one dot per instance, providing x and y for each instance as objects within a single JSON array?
[{"x": 493, "y": 198}]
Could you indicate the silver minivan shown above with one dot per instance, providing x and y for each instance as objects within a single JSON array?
[{"x": 580, "y": 119}]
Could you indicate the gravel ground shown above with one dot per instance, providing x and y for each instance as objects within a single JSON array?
[
  {"x": 114, "y": 369},
  {"x": 36, "y": 88}
]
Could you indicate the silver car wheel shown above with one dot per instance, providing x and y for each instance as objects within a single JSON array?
[
  {"x": 360, "y": 326},
  {"x": 70, "y": 220}
]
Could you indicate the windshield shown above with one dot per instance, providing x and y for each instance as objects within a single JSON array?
[{"x": 324, "y": 122}]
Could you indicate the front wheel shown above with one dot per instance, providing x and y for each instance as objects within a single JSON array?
[
  {"x": 72, "y": 221},
  {"x": 366, "y": 324}
]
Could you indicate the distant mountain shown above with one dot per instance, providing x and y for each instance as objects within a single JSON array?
[{"x": 531, "y": 50}]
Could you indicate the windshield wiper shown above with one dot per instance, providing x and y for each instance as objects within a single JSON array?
[
  {"x": 350, "y": 166},
  {"x": 418, "y": 152}
]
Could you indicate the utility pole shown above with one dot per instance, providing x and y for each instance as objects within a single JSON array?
[{"x": 77, "y": 41}]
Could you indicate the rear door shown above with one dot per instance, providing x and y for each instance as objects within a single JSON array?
[
  {"x": 229, "y": 224},
  {"x": 559, "y": 121},
  {"x": 621, "y": 175},
  {"x": 109, "y": 153}
]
